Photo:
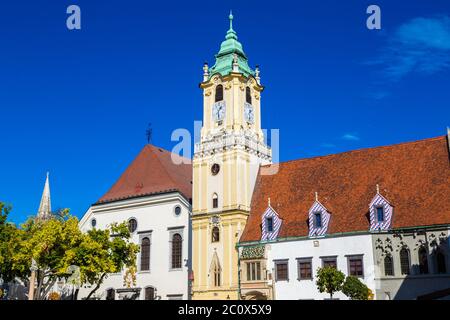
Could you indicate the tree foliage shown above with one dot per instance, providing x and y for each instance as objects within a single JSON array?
[
  {"x": 355, "y": 289},
  {"x": 329, "y": 280},
  {"x": 58, "y": 247},
  {"x": 105, "y": 251}
]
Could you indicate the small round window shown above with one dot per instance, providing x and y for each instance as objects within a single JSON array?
[
  {"x": 93, "y": 223},
  {"x": 215, "y": 169},
  {"x": 132, "y": 225},
  {"x": 177, "y": 210}
]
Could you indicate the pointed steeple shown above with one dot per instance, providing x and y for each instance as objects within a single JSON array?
[
  {"x": 231, "y": 52},
  {"x": 45, "y": 207}
]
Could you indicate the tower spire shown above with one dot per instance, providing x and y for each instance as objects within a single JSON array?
[
  {"x": 45, "y": 207},
  {"x": 231, "y": 20}
]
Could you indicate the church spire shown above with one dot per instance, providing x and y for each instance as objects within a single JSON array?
[
  {"x": 45, "y": 207},
  {"x": 230, "y": 51}
]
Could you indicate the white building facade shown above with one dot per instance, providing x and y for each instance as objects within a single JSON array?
[
  {"x": 157, "y": 209},
  {"x": 369, "y": 213},
  {"x": 302, "y": 258}
]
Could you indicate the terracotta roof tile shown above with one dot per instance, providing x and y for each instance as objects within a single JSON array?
[
  {"x": 152, "y": 172},
  {"x": 414, "y": 177}
]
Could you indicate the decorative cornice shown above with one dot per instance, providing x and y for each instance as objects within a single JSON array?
[{"x": 230, "y": 141}]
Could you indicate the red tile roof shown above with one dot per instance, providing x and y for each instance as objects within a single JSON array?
[
  {"x": 152, "y": 172},
  {"x": 414, "y": 177}
]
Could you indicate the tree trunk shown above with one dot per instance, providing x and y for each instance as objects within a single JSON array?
[
  {"x": 100, "y": 281},
  {"x": 75, "y": 297}
]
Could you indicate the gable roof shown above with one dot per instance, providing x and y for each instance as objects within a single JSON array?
[
  {"x": 414, "y": 177},
  {"x": 152, "y": 172}
]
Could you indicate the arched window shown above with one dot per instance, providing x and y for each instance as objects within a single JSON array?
[
  {"x": 404, "y": 261},
  {"x": 215, "y": 201},
  {"x": 216, "y": 271},
  {"x": 132, "y": 225},
  {"x": 248, "y": 96},
  {"x": 217, "y": 277},
  {"x": 219, "y": 93},
  {"x": 388, "y": 266},
  {"x": 215, "y": 235},
  {"x": 145, "y": 254},
  {"x": 423, "y": 260},
  {"x": 149, "y": 293},
  {"x": 440, "y": 262},
  {"x": 176, "y": 251},
  {"x": 110, "y": 294}
]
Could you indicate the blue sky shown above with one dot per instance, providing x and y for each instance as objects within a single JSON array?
[{"x": 77, "y": 103}]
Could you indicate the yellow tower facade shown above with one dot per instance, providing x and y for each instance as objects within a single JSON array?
[{"x": 225, "y": 166}]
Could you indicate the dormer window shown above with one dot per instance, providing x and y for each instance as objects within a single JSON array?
[
  {"x": 269, "y": 224},
  {"x": 380, "y": 214},
  {"x": 248, "y": 96},
  {"x": 219, "y": 93},
  {"x": 318, "y": 220}
]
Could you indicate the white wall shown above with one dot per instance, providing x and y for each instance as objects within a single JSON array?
[
  {"x": 155, "y": 214},
  {"x": 337, "y": 246}
]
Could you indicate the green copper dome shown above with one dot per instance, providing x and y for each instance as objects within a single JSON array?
[{"x": 230, "y": 48}]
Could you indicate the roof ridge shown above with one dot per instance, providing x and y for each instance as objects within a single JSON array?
[{"x": 358, "y": 150}]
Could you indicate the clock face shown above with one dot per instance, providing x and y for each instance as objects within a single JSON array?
[
  {"x": 249, "y": 114},
  {"x": 218, "y": 111}
]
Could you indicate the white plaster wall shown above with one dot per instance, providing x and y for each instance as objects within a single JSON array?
[
  {"x": 336, "y": 246},
  {"x": 155, "y": 214}
]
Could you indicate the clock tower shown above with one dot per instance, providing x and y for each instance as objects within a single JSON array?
[{"x": 225, "y": 166}]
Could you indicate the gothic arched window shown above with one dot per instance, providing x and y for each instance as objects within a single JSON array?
[
  {"x": 248, "y": 96},
  {"x": 219, "y": 93},
  {"x": 145, "y": 254},
  {"x": 423, "y": 260},
  {"x": 216, "y": 271},
  {"x": 388, "y": 266},
  {"x": 215, "y": 235},
  {"x": 440, "y": 262},
  {"x": 404, "y": 261},
  {"x": 176, "y": 251},
  {"x": 215, "y": 201}
]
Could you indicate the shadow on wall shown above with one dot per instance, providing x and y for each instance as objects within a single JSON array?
[{"x": 430, "y": 279}]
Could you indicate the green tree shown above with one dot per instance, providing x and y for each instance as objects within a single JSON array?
[
  {"x": 105, "y": 251},
  {"x": 51, "y": 243},
  {"x": 329, "y": 280},
  {"x": 62, "y": 251},
  {"x": 355, "y": 289},
  {"x": 10, "y": 237}
]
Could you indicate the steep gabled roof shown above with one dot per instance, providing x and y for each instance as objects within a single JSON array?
[
  {"x": 414, "y": 177},
  {"x": 153, "y": 171}
]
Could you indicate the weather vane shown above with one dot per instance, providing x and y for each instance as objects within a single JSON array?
[{"x": 149, "y": 132}]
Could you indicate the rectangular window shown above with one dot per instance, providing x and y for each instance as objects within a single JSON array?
[
  {"x": 253, "y": 271},
  {"x": 269, "y": 224},
  {"x": 380, "y": 214},
  {"x": 329, "y": 262},
  {"x": 281, "y": 271},
  {"x": 355, "y": 266},
  {"x": 304, "y": 269},
  {"x": 318, "y": 220}
]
